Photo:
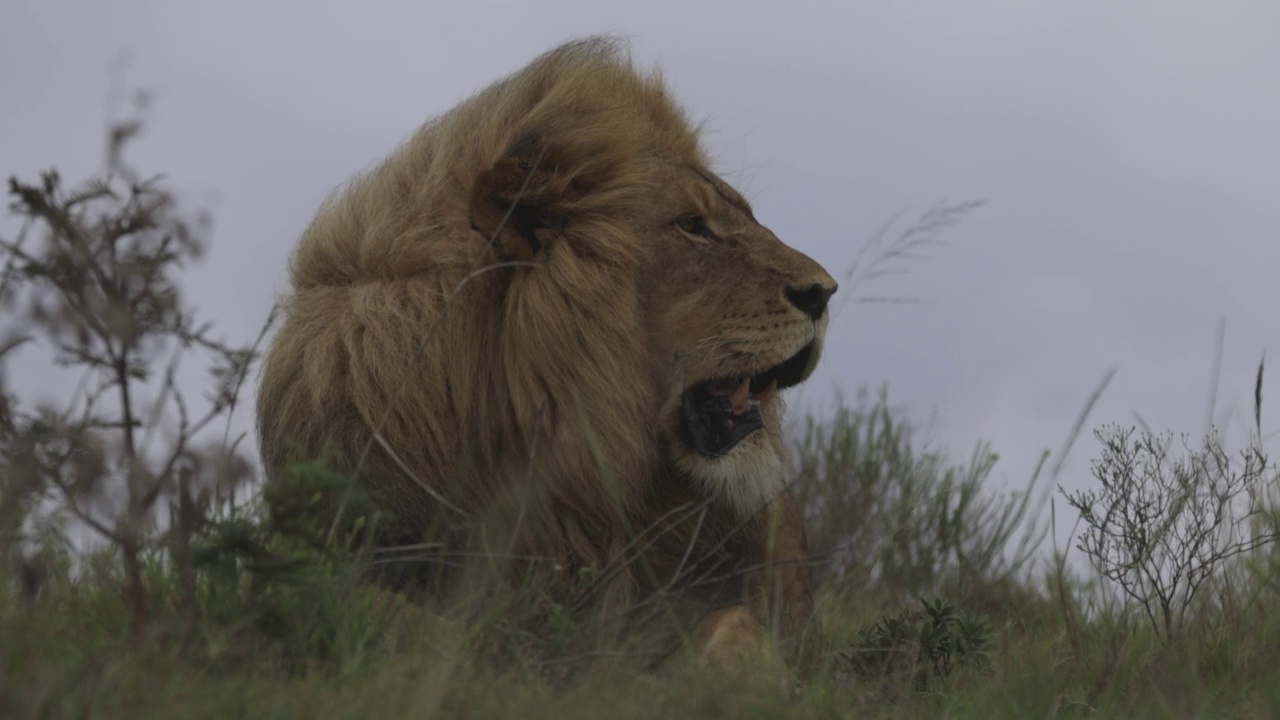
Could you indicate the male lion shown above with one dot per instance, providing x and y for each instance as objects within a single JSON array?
[{"x": 546, "y": 320}]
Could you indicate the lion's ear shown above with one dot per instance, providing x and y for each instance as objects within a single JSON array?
[{"x": 508, "y": 206}]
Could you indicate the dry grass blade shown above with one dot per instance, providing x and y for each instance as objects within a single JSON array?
[
  {"x": 390, "y": 451},
  {"x": 1079, "y": 423},
  {"x": 1215, "y": 375},
  {"x": 1257, "y": 398},
  {"x": 907, "y": 246}
]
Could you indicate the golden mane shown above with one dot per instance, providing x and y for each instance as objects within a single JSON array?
[{"x": 353, "y": 355}]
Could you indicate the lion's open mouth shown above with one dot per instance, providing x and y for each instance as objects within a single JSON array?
[{"x": 718, "y": 414}]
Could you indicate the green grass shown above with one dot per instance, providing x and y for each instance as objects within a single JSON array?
[{"x": 270, "y": 625}]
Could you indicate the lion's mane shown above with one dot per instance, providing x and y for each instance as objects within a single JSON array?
[{"x": 406, "y": 354}]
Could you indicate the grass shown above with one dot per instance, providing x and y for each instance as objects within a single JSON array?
[{"x": 280, "y": 628}]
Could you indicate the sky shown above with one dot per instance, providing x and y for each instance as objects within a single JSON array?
[{"x": 1127, "y": 154}]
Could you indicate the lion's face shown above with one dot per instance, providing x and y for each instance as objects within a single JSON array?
[
  {"x": 732, "y": 315},
  {"x": 658, "y": 270}
]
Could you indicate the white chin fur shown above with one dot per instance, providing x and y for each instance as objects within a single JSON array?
[{"x": 748, "y": 477}]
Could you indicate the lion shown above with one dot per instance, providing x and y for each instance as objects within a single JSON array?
[{"x": 545, "y": 317}]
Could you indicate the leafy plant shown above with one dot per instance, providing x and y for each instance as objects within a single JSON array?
[{"x": 931, "y": 642}]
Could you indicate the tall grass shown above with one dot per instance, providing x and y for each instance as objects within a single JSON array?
[
  {"x": 282, "y": 625},
  {"x": 904, "y": 519}
]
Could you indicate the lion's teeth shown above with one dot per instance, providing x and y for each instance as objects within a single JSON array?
[
  {"x": 741, "y": 396},
  {"x": 765, "y": 395}
]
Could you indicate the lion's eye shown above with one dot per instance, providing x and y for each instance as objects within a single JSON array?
[{"x": 695, "y": 225}]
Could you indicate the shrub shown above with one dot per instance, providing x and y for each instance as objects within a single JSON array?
[
  {"x": 94, "y": 270},
  {"x": 1161, "y": 525}
]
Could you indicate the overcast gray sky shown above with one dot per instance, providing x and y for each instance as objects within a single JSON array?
[{"x": 1129, "y": 153}]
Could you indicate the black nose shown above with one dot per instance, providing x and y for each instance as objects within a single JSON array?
[{"x": 812, "y": 299}]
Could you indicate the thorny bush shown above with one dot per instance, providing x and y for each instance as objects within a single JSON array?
[{"x": 93, "y": 270}]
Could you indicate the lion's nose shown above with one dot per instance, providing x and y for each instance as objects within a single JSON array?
[{"x": 812, "y": 300}]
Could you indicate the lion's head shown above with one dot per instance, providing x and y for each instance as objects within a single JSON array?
[
  {"x": 732, "y": 317},
  {"x": 546, "y": 294}
]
